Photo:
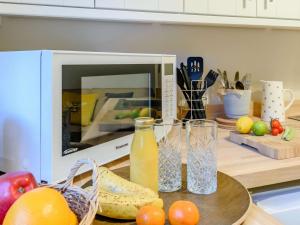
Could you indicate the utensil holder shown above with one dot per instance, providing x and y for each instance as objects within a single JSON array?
[{"x": 197, "y": 101}]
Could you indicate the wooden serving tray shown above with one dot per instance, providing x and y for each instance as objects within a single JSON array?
[
  {"x": 228, "y": 206},
  {"x": 268, "y": 145}
]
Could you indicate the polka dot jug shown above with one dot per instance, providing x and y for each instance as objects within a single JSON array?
[{"x": 273, "y": 100}]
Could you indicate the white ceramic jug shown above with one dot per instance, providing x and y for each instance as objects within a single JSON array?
[{"x": 273, "y": 101}]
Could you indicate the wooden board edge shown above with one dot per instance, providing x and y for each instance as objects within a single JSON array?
[
  {"x": 244, "y": 217},
  {"x": 267, "y": 151}
]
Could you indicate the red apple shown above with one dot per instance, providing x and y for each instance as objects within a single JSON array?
[{"x": 12, "y": 186}]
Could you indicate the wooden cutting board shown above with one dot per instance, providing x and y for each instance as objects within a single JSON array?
[
  {"x": 225, "y": 123},
  {"x": 228, "y": 206},
  {"x": 268, "y": 145}
]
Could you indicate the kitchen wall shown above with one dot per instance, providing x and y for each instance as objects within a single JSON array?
[{"x": 265, "y": 53}]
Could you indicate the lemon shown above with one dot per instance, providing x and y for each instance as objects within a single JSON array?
[{"x": 244, "y": 125}]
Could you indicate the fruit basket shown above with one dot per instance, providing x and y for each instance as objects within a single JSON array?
[{"x": 83, "y": 203}]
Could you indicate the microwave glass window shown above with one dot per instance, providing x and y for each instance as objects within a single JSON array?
[{"x": 100, "y": 102}]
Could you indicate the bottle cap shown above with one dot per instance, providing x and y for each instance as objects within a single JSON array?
[{"x": 140, "y": 121}]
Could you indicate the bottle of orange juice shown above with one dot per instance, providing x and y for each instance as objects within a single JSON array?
[{"x": 144, "y": 154}]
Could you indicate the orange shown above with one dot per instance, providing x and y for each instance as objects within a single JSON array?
[
  {"x": 184, "y": 213},
  {"x": 41, "y": 206},
  {"x": 150, "y": 215}
]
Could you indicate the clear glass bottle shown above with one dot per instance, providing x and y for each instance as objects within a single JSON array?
[{"x": 144, "y": 154}]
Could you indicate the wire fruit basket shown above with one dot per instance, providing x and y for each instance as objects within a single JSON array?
[{"x": 83, "y": 203}]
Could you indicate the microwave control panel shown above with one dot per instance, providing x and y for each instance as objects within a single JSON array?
[{"x": 169, "y": 91}]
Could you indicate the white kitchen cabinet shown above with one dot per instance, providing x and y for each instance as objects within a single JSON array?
[
  {"x": 222, "y": 7},
  {"x": 11, "y": 1},
  {"x": 114, "y": 4},
  {"x": 246, "y": 8},
  {"x": 287, "y": 9},
  {"x": 170, "y": 5},
  {"x": 151, "y": 5},
  {"x": 76, "y": 3},
  {"x": 196, "y": 6},
  {"x": 232, "y": 7},
  {"x": 266, "y": 8}
]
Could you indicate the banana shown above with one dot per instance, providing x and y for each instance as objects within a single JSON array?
[
  {"x": 124, "y": 206},
  {"x": 111, "y": 182}
]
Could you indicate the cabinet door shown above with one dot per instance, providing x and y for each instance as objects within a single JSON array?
[
  {"x": 222, "y": 7},
  {"x": 116, "y": 4},
  {"x": 171, "y": 5},
  {"x": 11, "y": 1},
  {"x": 77, "y": 3},
  {"x": 196, "y": 6},
  {"x": 43, "y": 2},
  {"x": 266, "y": 8},
  {"x": 142, "y": 4},
  {"x": 289, "y": 9},
  {"x": 246, "y": 7}
]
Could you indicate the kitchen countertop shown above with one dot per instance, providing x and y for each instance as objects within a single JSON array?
[
  {"x": 250, "y": 168},
  {"x": 245, "y": 164}
]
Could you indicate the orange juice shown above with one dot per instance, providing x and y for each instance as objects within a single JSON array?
[{"x": 144, "y": 155}]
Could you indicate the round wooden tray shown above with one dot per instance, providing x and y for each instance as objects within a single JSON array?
[{"x": 229, "y": 205}]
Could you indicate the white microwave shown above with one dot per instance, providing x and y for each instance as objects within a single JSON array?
[{"x": 60, "y": 106}]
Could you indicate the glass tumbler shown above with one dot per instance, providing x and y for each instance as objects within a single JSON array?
[
  {"x": 168, "y": 136},
  {"x": 201, "y": 156}
]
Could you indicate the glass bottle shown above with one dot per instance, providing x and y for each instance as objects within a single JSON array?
[{"x": 144, "y": 154}]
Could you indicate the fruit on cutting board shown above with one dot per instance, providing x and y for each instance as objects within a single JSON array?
[
  {"x": 244, "y": 125},
  {"x": 276, "y": 127},
  {"x": 150, "y": 215},
  {"x": 12, "y": 186},
  {"x": 184, "y": 213},
  {"x": 288, "y": 134},
  {"x": 260, "y": 128},
  {"x": 111, "y": 182},
  {"x": 41, "y": 206}
]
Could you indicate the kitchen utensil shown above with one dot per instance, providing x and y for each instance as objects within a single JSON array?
[
  {"x": 195, "y": 68},
  {"x": 227, "y": 86},
  {"x": 193, "y": 95},
  {"x": 273, "y": 100},
  {"x": 210, "y": 79},
  {"x": 182, "y": 84},
  {"x": 269, "y": 145},
  {"x": 239, "y": 85},
  {"x": 246, "y": 80},
  {"x": 231, "y": 202},
  {"x": 222, "y": 78},
  {"x": 237, "y": 76}
]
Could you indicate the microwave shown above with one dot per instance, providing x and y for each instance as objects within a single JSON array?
[{"x": 60, "y": 106}]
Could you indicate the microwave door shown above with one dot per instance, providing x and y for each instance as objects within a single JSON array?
[{"x": 100, "y": 102}]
